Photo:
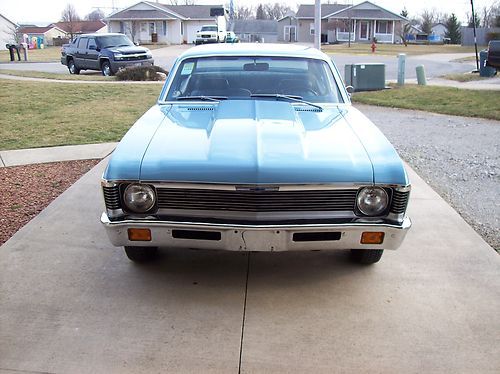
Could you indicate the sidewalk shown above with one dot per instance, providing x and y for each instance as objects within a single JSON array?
[
  {"x": 492, "y": 84},
  {"x": 54, "y": 154}
]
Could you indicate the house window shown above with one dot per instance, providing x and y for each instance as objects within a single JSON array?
[
  {"x": 384, "y": 27},
  {"x": 165, "y": 28},
  {"x": 311, "y": 29},
  {"x": 344, "y": 26},
  {"x": 122, "y": 27},
  {"x": 182, "y": 29},
  {"x": 152, "y": 28}
]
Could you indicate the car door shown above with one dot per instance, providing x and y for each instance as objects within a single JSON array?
[
  {"x": 92, "y": 56},
  {"x": 81, "y": 51}
]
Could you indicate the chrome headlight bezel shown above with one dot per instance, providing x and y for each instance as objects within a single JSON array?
[
  {"x": 372, "y": 201},
  {"x": 139, "y": 198}
]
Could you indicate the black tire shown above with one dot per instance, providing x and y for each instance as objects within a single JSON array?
[
  {"x": 141, "y": 254},
  {"x": 72, "y": 67},
  {"x": 106, "y": 69},
  {"x": 366, "y": 256}
]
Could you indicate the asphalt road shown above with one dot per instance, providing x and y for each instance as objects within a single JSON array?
[{"x": 435, "y": 65}]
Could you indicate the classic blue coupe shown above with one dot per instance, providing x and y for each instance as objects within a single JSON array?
[{"x": 255, "y": 147}]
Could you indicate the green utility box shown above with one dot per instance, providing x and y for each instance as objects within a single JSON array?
[{"x": 365, "y": 77}]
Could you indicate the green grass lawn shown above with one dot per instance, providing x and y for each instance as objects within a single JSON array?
[
  {"x": 445, "y": 100},
  {"x": 38, "y": 114},
  {"x": 38, "y": 74},
  {"x": 395, "y": 49},
  {"x": 47, "y": 54}
]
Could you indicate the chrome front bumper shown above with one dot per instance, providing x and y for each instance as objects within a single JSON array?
[{"x": 235, "y": 237}]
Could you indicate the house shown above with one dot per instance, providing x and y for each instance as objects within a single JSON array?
[
  {"x": 7, "y": 31},
  {"x": 366, "y": 20},
  {"x": 35, "y": 36},
  {"x": 81, "y": 27},
  {"x": 256, "y": 30},
  {"x": 148, "y": 22},
  {"x": 438, "y": 32}
]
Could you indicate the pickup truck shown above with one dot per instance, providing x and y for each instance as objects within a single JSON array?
[
  {"x": 106, "y": 52},
  {"x": 210, "y": 34},
  {"x": 493, "y": 58}
]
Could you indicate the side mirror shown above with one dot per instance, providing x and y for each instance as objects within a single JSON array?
[
  {"x": 136, "y": 43},
  {"x": 350, "y": 90}
]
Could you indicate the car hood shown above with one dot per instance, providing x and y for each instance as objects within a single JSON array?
[
  {"x": 255, "y": 141},
  {"x": 128, "y": 50}
]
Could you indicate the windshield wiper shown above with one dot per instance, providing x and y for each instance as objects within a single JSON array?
[
  {"x": 294, "y": 98},
  {"x": 202, "y": 97}
]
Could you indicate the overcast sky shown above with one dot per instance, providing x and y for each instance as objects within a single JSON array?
[{"x": 43, "y": 12}]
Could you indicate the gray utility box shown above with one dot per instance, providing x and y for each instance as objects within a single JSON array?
[{"x": 365, "y": 77}]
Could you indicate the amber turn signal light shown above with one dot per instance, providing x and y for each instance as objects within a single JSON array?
[
  {"x": 369, "y": 237},
  {"x": 139, "y": 235}
]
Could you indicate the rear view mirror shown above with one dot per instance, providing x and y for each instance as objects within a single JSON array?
[{"x": 257, "y": 66}]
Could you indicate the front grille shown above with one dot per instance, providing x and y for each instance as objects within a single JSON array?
[
  {"x": 134, "y": 57},
  {"x": 399, "y": 201},
  {"x": 207, "y": 36},
  {"x": 256, "y": 201},
  {"x": 111, "y": 197}
]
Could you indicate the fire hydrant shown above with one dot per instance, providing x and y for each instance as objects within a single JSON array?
[{"x": 374, "y": 47}]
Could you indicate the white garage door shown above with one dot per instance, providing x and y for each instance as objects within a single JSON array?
[{"x": 191, "y": 32}]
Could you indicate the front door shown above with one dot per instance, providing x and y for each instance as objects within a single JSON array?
[
  {"x": 290, "y": 34},
  {"x": 144, "y": 32},
  {"x": 364, "y": 30}
]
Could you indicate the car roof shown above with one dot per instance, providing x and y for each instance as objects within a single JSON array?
[
  {"x": 254, "y": 49},
  {"x": 102, "y": 34}
]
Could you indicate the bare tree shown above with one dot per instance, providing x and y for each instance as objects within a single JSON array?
[
  {"x": 276, "y": 10},
  {"x": 182, "y": 2},
  {"x": 95, "y": 15},
  {"x": 131, "y": 29},
  {"x": 427, "y": 19},
  {"x": 70, "y": 16},
  {"x": 489, "y": 14},
  {"x": 244, "y": 12},
  {"x": 403, "y": 31}
]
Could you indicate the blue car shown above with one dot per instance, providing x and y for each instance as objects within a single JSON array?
[{"x": 255, "y": 147}]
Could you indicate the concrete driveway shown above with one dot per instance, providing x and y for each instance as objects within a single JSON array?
[
  {"x": 71, "y": 303},
  {"x": 435, "y": 64}
]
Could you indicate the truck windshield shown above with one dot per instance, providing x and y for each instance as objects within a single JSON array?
[
  {"x": 252, "y": 78},
  {"x": 209, "y": 28},
  {"x": 114, "y": 41}
]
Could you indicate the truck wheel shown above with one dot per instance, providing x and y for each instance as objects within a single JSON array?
[
  {"x": 366, "y": 256},
  {"x": 141, "y": 254},
  {"x": 106, "y": 69},
  {"x": 72, "y": 67}
]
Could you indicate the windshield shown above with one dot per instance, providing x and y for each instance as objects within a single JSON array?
[
  {"x": 114, "y": 41},
  {"x": 243, "y": 76},
  {"x": 209, "y": 28}
]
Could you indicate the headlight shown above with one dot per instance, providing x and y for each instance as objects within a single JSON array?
[
  {"x": 149, "y": 55},
  {"x": 139, "y": 198},
  {"x": 118, "y": 56},
  {"x": 372, "y": 201}
]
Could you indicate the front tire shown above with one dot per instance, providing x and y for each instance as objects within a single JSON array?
[
  {"x": 366, "y": 256},
  {"x": 72, "y": 67},
  {"x": 141, "y": 254},
  {"x": 106, "y": 69}
]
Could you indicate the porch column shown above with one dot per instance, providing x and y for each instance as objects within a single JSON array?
[
  {"x": 374, "y": 28},
  {"x": 354, "y": 36},
  {"x": 393, "y": 26}
]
